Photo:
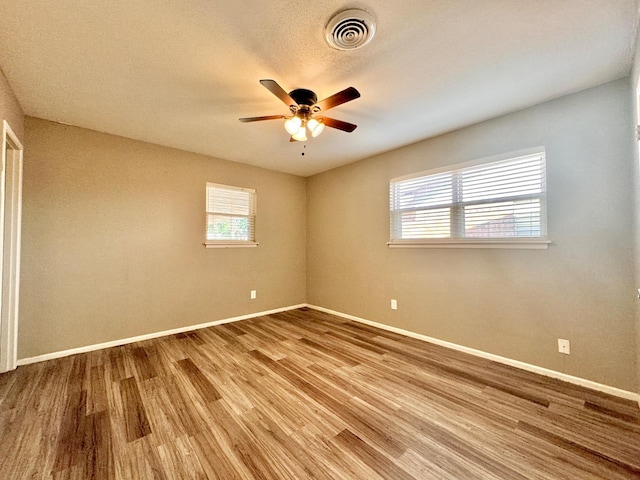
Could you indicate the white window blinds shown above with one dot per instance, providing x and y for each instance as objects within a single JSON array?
[
  {"x": 231, "y": 214},
  {"x": 502, "y": 199}
]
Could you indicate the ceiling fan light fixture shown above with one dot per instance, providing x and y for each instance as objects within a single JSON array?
[
  {"x": 315, "y": 127},
  {"x": 292, "y": 125}
]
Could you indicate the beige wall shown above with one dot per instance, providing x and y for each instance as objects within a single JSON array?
[
  {"x": 10, "y": 108},
  {"x": 513, "y": 303},
  {"x": 113, "y": 233},
  {"x": 634, "y": 91}
]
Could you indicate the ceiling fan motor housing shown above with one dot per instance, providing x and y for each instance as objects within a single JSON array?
[
  {"x": 350, "y": 29},
  {"x": 302, "y": 96}
]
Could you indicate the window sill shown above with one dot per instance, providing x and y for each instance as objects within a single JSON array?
[
  {"x": 530, "y": 244},
  {"x": 230, "y": 244}
]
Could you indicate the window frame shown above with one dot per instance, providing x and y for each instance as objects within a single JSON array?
[
  {"x": 231, "y": 243},
  {"x": 541, "y": 242}
]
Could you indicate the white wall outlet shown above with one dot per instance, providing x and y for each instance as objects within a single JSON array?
[
  {"x": 394, "y": 304},
  {"x": 639, "y": 293},
  {"x": 254, "y": 294},
  {"x": 563, "y": 346}
]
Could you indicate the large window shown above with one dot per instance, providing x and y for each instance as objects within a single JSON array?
[
  {"x": 495, "y": 202},
  {"x": 231, "y": 216}
]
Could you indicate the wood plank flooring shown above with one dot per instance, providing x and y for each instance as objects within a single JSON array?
[{"x": 303, "y": 394}]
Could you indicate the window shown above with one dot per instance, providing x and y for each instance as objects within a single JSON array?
[
  {"x": 231, "y": 216},
  {"x": 497, "y": 202}
]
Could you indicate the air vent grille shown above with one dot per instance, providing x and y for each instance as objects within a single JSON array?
[{"x": 350, "y": 29}]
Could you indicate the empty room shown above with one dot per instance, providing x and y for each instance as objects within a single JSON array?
[{"x": 297, "y": 240}]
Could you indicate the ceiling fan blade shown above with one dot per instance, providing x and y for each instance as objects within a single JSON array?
[
  {"x": 339, "y": 98},
  {"x": 277, "y": 90},
  {"x": 258, "y": 119},
  {"x": 339, "y": 124}
]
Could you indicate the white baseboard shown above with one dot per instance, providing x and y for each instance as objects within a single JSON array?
[
  {"x": 490, "y": 356},
  {"x": 149, "y": 336},
  {"x": 479, "y": 353}
]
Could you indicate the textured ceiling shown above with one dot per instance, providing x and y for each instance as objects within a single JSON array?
[{"x": 181, "y": 73}]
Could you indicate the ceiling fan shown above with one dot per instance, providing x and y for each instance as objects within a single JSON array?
[{"x": 304, "y": 106}]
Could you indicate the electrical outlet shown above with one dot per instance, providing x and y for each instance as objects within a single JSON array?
[
  {"x": 254, "y": 294},
  {"x": 563, "y": 346},
  {"x": 394, "y": 304}
]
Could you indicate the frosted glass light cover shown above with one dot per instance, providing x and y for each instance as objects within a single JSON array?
[
  {"x": 315, "y": 127},
  {"x": 301, "y": 134},
  {"x": 292, "y": 125}
]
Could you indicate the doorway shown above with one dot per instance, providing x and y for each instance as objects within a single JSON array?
[{"x": 10, "y": 225}]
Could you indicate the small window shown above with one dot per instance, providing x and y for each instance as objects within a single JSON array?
[
  {"x": 231, "y": 216},
  {"x": 487, "y": 203}
]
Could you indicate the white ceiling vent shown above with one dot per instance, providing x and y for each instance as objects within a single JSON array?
[{"x": 350, "y": 29}]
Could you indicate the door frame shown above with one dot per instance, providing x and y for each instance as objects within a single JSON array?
[{"x": 11, "y": 218}]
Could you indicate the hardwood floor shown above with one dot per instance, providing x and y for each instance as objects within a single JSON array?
[{"x": 304, "y": 394}]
